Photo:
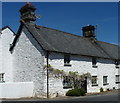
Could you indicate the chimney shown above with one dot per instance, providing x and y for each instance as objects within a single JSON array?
[
  {"x": 27, "y": 13},
  {"x": 88, "y": 31}
]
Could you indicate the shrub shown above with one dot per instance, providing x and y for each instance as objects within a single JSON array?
[
  {"x": 101, "y": 89},
  {"x": 108, "y": 89},
  {"x": 76, "y": 92},
  {"x": 82, "y": 92}
]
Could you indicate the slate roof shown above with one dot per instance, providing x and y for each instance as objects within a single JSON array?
[{"x": 59, "y": 41}]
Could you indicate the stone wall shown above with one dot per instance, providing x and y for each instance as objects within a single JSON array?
[
  {"x": 28, "y": 61},
  {"x": 82, "y": 64}
]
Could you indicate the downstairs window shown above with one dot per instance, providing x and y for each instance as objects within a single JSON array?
[
  {"x": 67, "y": 82},
  {"x": 94, "y": 81},
  {"x": 117, "y": 79},
  {"x": 1, "y": 77},
  {"x": 105, "y": 80}
]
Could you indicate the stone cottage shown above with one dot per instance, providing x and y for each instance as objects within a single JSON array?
[{"x": 39, "y": 61}]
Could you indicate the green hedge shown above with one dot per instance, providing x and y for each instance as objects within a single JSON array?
[{"x": 76, "y": 92}]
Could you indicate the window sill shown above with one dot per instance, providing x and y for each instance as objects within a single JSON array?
[
  {"x": 67, "y": 64},
  {"x": 94, "y": 66},
  {"x": 106, "y": 84},
  {"x": 2, "y": 81},
  {"x": 117, "y": 66},
  {"x": 117, "y": 82},
  {"x": 94, "y": 84},
  {"x": 67, "y": 87}
]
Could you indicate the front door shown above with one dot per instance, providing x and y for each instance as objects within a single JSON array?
[{"x": 84, "y": 84}]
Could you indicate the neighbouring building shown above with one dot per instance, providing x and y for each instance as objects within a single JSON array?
[{"x": 38, "y": 61}]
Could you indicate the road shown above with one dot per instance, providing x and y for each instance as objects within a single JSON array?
[{"x": 111, "y": 97}]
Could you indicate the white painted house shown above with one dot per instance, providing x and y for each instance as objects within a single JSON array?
[{"x": 25, "y": 62}]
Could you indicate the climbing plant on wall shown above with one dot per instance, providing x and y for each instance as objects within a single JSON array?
[{"x": 74, "y": 77}]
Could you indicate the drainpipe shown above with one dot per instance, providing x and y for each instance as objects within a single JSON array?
[{"x": 47, "y": 75}]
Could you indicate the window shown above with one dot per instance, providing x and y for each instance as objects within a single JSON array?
[
  {"x": 94, "y": 62},
  {"x": 94, "y": 81},
  {"x": 67, "y": 59},
  {"x": 105, "y": 82},
  {"x": 67, "y": 83},
  {"x": 117, "y": 64},
  {"x": 1, "y": 77},
  {"x": 117, "y": 79}
]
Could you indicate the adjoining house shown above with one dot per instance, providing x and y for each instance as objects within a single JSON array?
[{"x": 41, "y": 60}]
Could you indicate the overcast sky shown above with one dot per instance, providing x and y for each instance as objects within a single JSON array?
[{"x": 69, "y": 17}]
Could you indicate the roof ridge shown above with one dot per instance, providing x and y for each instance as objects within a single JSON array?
[
  {"x": 74, "y": 34},
  {"x": 109, "y": 43},
  {"x": 59, "y": 31}
]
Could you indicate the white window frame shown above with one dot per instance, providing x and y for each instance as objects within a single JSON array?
[
  {"x": 94, "y": 79},
  {"x": 94, "y": 62},
  {"x": 67, "y": 60},
  {"x": 117, "y": 64},
  {"x": 117, "y": 79},
  {"x": 67, "y": 83},
  {"x": 2, "y": 77},
  {"x": 105, "y": 80}
]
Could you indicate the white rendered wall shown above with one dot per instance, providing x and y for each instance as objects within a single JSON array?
[
  {"x": 29, "y": 62},
  {"x": 0, "y": 53},
  {"x": 82, "y": 64},
  {"x": 16, "y": 89},
  {"x": 6, "y": 67}
]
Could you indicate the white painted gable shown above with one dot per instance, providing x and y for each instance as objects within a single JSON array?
[{"x": 6, "y": 39}]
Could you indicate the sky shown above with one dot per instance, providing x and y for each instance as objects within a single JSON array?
[{"x": 69, "y": 17}]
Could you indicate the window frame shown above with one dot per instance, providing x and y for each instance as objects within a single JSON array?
[
  {"x": 117, "y": 64},
  {"x": 67, "y": 83},
  {"x": 2, "y": 77},
  {"x": 105, "y": 82},
  {"x": 94, "y": 62},
  {"x": 67, "y": 60},
  {"x": 96, "y": 81},
  {"x": 117, "y": 79}
]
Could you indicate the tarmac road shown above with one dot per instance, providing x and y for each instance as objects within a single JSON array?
[{"x": 109, "y": 97}]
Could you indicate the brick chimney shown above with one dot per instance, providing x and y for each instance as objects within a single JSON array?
[{"x": 89, "y": 31}]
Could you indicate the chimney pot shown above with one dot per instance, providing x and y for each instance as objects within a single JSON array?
[{"x": 88, "y": 31}]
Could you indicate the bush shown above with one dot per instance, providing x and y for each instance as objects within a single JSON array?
[
  {"x": 76, "y": 92},
  {"x": 108, "y": 89},
  {"x": 101, "y": 89},
  {"x": 82, "y": 92}
]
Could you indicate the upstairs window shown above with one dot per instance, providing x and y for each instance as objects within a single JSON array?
[
  {"x": 117, "y": 79},
  {"x": 94, "y": 62},
  {"x": 1, "y": 77},
  {"x": 67, "y": 59},
  {"x": 117, "y": 64},
  {"x": 105, "y": 80},
  {"x": 94, "y": 81}
]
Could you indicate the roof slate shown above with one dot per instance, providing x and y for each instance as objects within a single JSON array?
[{"x": 59, "y": 41}]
